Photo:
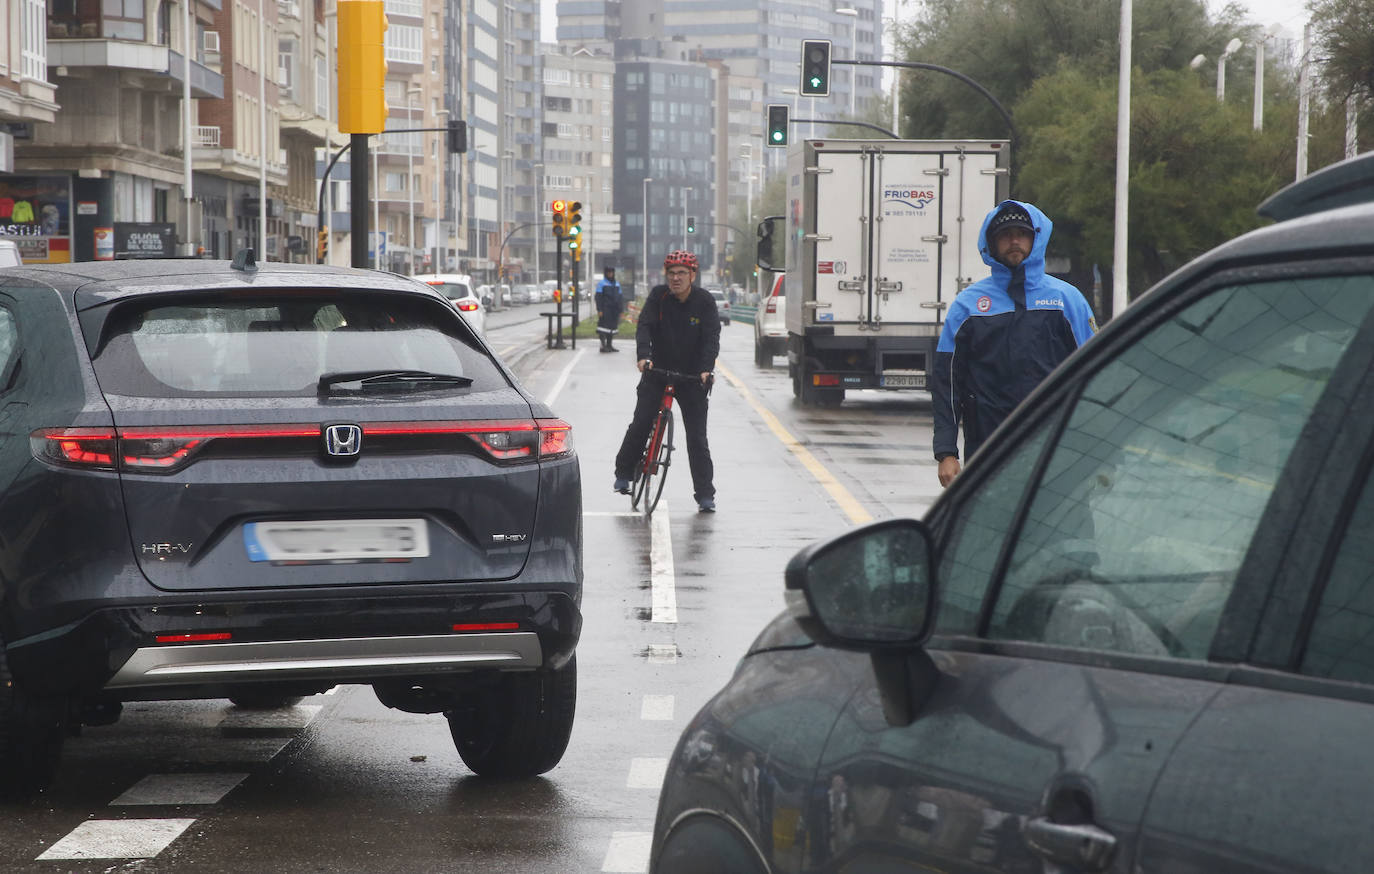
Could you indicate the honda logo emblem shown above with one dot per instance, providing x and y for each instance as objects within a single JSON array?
[{"x": 343, "y": 441}]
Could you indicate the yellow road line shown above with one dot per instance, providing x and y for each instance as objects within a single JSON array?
[{"x": 848, "y": 503}]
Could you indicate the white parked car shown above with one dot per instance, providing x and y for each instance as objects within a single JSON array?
[
  {"x": 770, "y": 324},
  {"x": 9, "y": 254},
  {"x": 457, "y": 287}
]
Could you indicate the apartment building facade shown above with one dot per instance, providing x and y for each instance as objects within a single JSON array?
[
  {"x": 665, "y": 155},
  {"x": 579, "y": 153},
  {"x": 27, "y": 100}
]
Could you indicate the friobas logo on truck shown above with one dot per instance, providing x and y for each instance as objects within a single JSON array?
[{"x": 899, "y": 201}]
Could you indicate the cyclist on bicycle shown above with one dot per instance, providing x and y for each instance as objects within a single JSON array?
[{"x": 679, "y": 329}]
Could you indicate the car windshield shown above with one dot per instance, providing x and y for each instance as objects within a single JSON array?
[{"x": 280, "y": 345}]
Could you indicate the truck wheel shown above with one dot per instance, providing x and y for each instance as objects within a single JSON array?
[
  {"x": 519, "y": 727},
  {"x": 828, "y": 397},
  {"x": 30, "y": 737}
]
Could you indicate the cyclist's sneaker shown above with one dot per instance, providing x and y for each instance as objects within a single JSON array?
[
  {"x": 622, "y": 486},
  {"x": 706, "y": 505}
]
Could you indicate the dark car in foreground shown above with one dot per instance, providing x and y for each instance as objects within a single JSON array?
[
  {"x": 1136, "y": 634},
  {"x": 255, "y": 482}
]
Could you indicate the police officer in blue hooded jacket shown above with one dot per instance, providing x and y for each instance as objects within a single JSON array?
[{"x": 1003, "y": 334}]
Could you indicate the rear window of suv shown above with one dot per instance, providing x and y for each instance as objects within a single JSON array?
[{"x": 280, "y": 346}]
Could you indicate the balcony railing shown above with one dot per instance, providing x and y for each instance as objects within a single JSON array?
[{"x": 207, "y": 136}]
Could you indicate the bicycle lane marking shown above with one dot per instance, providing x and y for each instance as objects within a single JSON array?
[
  {"x": 662, "y": 576},
  {"x": 564, "y": 377},
  {"x": 848, "y": 503}
]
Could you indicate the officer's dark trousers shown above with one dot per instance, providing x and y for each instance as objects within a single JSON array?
[{"x": 691, "y": 405}]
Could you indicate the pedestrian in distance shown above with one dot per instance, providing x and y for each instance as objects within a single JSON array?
[
  {"x": 609, "y": 304},
  {"x": 678, "y": 330},
  {"x": 1002, "y": 335}
]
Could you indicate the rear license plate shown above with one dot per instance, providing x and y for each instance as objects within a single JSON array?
[
  {"x": 337, "y": 540},
  {"x": 904, "y": 382}
]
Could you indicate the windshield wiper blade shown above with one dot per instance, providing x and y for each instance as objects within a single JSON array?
[{"x": 392, "y": 379}]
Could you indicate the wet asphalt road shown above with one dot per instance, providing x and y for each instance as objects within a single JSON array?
[{"x": 342, "y": 784}]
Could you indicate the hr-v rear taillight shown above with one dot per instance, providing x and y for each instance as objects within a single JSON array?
[{"x": 167, "y": 450}]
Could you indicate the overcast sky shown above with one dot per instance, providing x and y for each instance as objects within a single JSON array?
[{"x": 1292, "y": 14}]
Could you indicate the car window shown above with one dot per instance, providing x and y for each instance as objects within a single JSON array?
[
  {"x": 973, "y": 546},
  {"x": 1143, "y": 517},
  {"x": 1341, "y": 643},
  {"x": 280, "y": 346},
  {"x": 9, "y": 343}
]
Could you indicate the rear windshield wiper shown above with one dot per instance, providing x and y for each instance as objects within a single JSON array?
[{"x": 391, "y": 380}]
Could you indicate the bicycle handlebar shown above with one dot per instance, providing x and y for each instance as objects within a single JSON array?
[{"x": 672, "y": 374}]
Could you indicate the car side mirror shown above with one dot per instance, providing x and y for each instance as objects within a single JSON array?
[
  {"x": 767, "y": 255},
  {"x": 871, "y": 588}
]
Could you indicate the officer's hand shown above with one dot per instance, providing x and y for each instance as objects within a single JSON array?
[
  {"x": 948, "y": 470},
  {"x": 706, "y": 378},
  {"x": 644, "y": 364}
]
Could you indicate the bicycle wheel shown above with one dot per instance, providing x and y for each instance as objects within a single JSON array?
[
  {"x": 657, "y": 473},
  {"x": 643, "y": 470}
]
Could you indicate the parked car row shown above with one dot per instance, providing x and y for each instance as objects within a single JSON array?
[{"x": 1135, "y": 633}]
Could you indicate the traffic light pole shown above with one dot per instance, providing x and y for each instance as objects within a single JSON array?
[
  {"x": 558, "y": 289},
  {"x": 359, "y": 181},
  {"x": 358, "y": 178},
  {"x": 918, "y": 65}
]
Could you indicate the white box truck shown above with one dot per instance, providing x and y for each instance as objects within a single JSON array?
[{"x": 880, "y": 237}]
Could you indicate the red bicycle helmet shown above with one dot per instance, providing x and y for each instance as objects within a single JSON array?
[{"x": 680, "y": 258}]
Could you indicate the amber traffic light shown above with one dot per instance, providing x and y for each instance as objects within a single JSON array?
[{"x": 362, "y": 66}]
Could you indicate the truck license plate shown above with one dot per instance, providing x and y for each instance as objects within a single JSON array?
[
  {"x": 904, "y": 382},
  {"x": 337, "y": 540}
]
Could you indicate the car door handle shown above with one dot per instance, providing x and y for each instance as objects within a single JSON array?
[{"x": 1082, "y": 846}]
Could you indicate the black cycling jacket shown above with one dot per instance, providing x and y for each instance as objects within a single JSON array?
[{"x": 679, "y": 336}]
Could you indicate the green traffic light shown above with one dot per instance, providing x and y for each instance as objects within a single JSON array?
[
  {"x": 816, "y": 81},
  {"x": 777, "y": 136}
]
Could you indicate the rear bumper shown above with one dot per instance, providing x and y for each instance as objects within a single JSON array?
[
  {"x": 115, "y": 653},
  {"x": 325, "y": 660}
]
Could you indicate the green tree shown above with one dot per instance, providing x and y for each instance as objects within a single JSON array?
[
  {"x": 1345, "y": 31},
  {"x": 1198, "y": 169}
]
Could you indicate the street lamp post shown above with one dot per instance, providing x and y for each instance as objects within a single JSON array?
[
  {"x": 686, "y": 194},
  {"x": 442, "y": 265},
  {"x": 645, "y": 233},
  {"x": 410, "y": 171},
  {"x": 853, "y": 15},
  {"x": 1231, "y": 48},
  {"x": 538, "y": 224}
]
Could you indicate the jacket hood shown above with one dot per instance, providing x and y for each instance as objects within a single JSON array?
[{"x": 1035, "y": 262}]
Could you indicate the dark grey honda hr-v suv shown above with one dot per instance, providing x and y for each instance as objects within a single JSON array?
[{"x": 256, "y": 482}]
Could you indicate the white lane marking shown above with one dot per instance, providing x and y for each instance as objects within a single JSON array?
[
  {"x": 117, "y": 839},
  {"x": 656, "y": 707},
  {"x": 628, "y": 853},
  {"x": 218, "y": 750},
  {"x": 646, "y": 773},
  {"x": 662, "y": 653},
  {"x": 297, "y": 717},
  {"x": 609, "y": 513},
  {"x": 563, "y": 377},
  {"x": 662, "y": 577},
  {"x": 180, "y": 789}
]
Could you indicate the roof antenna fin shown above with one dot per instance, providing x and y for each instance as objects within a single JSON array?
[{"x": 246, "y": 261}]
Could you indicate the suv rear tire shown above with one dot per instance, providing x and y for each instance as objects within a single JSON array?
[
  {"x": 31, "y": 733},
  {"x": 520, "y": 726}
]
